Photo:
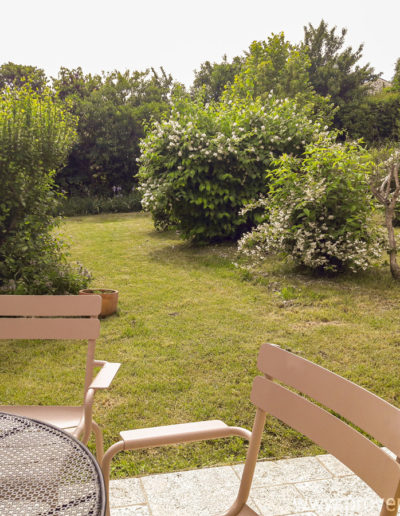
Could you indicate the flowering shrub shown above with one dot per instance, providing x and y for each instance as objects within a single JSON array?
[
  {"x": 319, "y": 210},
  {"x": 199, "y": 167}
]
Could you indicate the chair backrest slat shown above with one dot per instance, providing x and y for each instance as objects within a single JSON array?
[
  {"x": 42, "y": 328},
  {"x": 362, "y": 456},
  {"x": 51, "y": 306},
  {"x": 53, "y": 317},
  {"x": 363, "y": 408}
]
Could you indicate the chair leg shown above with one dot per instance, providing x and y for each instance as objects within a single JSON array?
[
  {"x": 98, "y": 434},
  {"x": 106, "y": 466},
  {"x": 249, "y": 467},
  {"x": 390, "y": 507}
]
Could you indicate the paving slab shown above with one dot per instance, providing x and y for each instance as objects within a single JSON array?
[
  {"x": 341, "y": 496},
  {"x": 200, "y": 492},
  {"x": 304, "y": 514},
  {"x": 305, "y": 486},
  {"x": 135, "y": 510},
  {"x": 287, "y": 471},
  {"x": 334, "y": 466},
  {"x": 128, "y": 491},
  {"x": 279, "y": 500}
]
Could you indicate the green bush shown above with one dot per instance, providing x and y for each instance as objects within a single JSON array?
[
  {"x": 94, "y": 205},
  {"x": 112, "y": 111},
  {"x": 319, "y": 211},
  {"x": 200, "y": 166},
  {"x": 35, "y": 137},
  {"x": 377, "y": 118}
]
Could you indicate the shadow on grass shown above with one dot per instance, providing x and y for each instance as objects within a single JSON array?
[
  {"x": 376, "y": 281},
  {"x": 189, "y": 255}
]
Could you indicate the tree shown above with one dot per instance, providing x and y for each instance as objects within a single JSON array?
[
  {"x": 396, "y": 76},
  {"x": 214, "y": 77},
  {"x": 74, "y": 84},
  {"x": 386, "y": 188},
  {"x": 334, "y": 70},
  {"x": 112, "y": 111},
  {"x": 15, "y": 76},
  {"x": 274, "y": 65},
  {"x": 376, "y": 117}
]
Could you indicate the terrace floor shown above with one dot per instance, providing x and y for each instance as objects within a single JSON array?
[{"x": 306, "y": 486}]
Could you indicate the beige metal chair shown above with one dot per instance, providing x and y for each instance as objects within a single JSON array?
[
  {"x": 60, "y": 317},
  {"x": 367, "y": 411}
]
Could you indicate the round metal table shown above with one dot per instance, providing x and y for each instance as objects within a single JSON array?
[{"x": 45, "y": 471}]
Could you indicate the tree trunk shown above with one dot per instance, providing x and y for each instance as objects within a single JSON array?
[
  {"x": 388, "y": 197},
  {"x": 392, "y": 251}
]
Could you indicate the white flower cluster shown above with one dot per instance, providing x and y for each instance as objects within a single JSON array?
[
  {"x": 148, "y": 190},
  {"x": 312, "y": 244},
  {"x": 321, "y": 216},
  {"x": 261, "y": 202}
]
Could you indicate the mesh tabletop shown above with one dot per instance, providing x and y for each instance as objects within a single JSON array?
[{"x": 44, "y": 471}]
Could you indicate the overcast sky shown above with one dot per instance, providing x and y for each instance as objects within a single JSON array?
[{"x": 181, "y": 34}]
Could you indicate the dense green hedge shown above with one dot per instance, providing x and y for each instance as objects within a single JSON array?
[
  {"x": 377, "y": 118},
  {"x": 94, "y": 205}
]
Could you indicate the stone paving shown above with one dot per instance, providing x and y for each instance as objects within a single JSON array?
[{"x": 306, "y": 486}]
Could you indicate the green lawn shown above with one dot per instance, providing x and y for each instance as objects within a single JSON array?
[{"x": 188, "y": 330}]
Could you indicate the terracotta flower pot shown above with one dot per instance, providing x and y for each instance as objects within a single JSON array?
[{"x": 109, "y": 299}]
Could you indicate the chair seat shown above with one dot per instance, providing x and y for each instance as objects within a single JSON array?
[{"x": 66, "y": 418}]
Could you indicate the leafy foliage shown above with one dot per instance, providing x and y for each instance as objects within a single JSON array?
[
  {"x": 377, "y": 118},
  {"x": 213, "y": 78},
  {"x": 396, "y": 76},
  {"x": 112, "y": 112},
  {"x": 319, "y": 210},
  {"x": 334, "y": 71},
  {"x": 278, "y": 67},
  {"x": 35, "y": 137},
  {"x": 73, "y": 84},
  {"x": 273, "y": 65},
  {"x": 200, "y": 166},
  {"x": 15, "y": 76}
]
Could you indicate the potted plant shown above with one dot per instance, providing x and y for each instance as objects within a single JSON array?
[{"x": 109, "y": 299}]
